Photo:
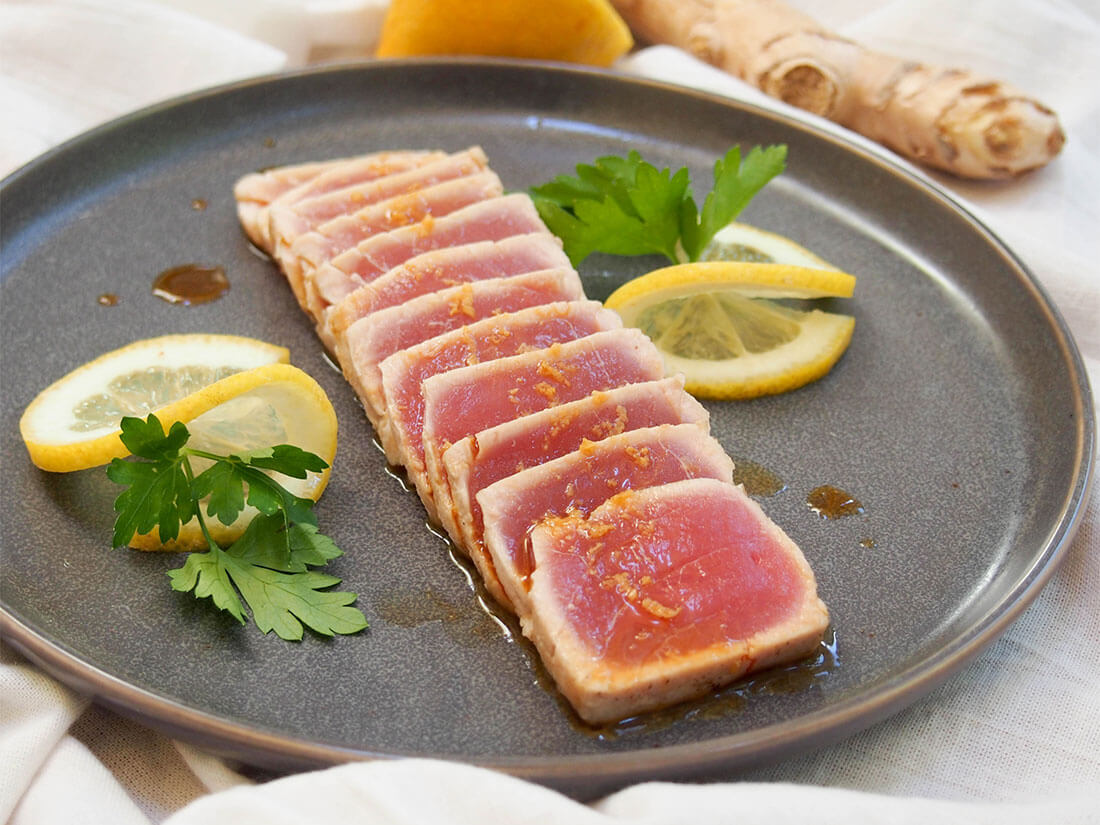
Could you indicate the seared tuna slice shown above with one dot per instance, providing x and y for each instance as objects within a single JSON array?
[
  {"x": 290, "y": 217},
  {"x": 375, "y": 337},
  {"x": 664, "y": 594},
  {"x": 466, "y": 401},
  {"x": 483, "y": 342},
  {"x": 579, "y": 482},
  {"x": 288, "y": 184},
  {"x": 477, "y": 461},
  {"x": 447, "y": 267},
  {"x": 314, "y": 248},
  {"x": 255, "y": 192},
  {"x": 489, "y": 220}
]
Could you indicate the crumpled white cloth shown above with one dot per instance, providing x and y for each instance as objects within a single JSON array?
[{"x": 1013, "y": 738}]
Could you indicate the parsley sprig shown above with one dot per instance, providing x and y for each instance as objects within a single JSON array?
[
  {"x": 268, "y": 567},
  {"x": 626, "y": 206}
]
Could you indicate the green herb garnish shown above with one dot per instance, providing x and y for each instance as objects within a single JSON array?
[
  {"x": 626, "y": 206},
  {"x": 268, "y": 566}
]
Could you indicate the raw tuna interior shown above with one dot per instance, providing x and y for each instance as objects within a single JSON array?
[
  {"x": 315, "y": 248},
  {"x": 580, "y": 481},
  {"x": 439, "y": 199},
  {"x": 291, "y": 217},
  {"x": 441, "y": 269},
  {"x": 257, "y": 192},
  {"x": 482, "y": 343},
  {"x": 477, "y": 461},
  {"x": 665, "y": 593},
  {"x": 470, "y": 399},
  {"x": 372, "y": 339},
  {"x": 490, "y": 220}
]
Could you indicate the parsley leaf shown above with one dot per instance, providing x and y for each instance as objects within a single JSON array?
[
  {"x": 282, "y": 595},
  {"x": 266, "y": 571},
  {"x": 146, "y": 439},
  {"x": 626, "y": 206},
  {"x": 203, "y": 574},
  {"x": 158, "y": 493},
  {"x": 283, "y": 602},
  {"x": 286, "y": 459},
  {"x": 225, "y": 482},
  {"x": 735, "y": 184}
]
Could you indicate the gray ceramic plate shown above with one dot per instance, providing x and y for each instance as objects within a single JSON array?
[{"x": 960, "y": 418}]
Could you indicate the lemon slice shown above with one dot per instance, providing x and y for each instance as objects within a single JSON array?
[
  {"x": 74, "y": 423},
  {"x": 234, "y": 394},
  {"x": 719, "y": 323}
]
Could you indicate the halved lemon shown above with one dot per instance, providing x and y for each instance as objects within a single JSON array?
[
  {"x": 576, "y": 31},
  {"x": 721, "y": 325},
  {"x": 233, "y": 393}
]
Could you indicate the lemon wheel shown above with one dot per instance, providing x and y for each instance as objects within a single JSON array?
[
  {"x": 724, "y": 324},
  {"x": 234, "y": 394},
  {"x": 74, "y": 423}
]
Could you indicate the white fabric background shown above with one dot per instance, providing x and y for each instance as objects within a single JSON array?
[{"x": 1015, "y": 737}]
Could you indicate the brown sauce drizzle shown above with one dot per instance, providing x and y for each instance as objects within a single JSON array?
[
  {"x": 831, "y": 502},
  {"x": 191, "y": 284},
  {"x": 796, "y": 677},
  {"x": 107, "y": 299},
  {"x": 415, "y": 608},
  {"x": 757, "y": 479},
  {"x": 398, "y": 474}
]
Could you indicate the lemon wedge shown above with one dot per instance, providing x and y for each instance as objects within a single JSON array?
[
  {"x": 721, "y": 325},
  {"x": 233, "y": 393},
  {"x": 575, "y": 31}
]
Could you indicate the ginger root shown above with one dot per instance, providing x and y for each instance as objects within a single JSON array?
[{"x": 950, "y": 119}]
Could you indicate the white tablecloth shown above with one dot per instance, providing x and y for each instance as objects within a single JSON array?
[{"x": 1014, "y": 737}]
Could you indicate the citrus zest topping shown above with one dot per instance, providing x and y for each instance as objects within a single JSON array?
[
  {"x": 575, "y": 31},
  {"x": 721, "y": 325}
]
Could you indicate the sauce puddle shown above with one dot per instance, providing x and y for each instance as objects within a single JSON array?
[
  {"x": 797, "y": 677},
  {"x": 191, "y": 284},
  {"x": 831, "y": 502},
  {"x": 757, "y": 479}
]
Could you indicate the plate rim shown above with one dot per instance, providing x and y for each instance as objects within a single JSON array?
[{"x": 805, "y": 732}]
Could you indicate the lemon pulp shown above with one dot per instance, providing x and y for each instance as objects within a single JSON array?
[{"x": 140, "y": 393}]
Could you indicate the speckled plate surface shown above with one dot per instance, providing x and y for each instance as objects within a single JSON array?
[{"x": 960, "y": 418}]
